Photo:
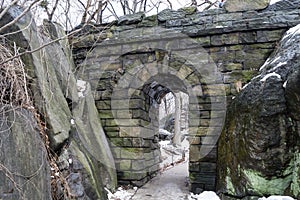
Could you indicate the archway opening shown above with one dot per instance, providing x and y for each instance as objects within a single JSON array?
[
  {"x": 168, "y": 113},
  {"x": 173, "y": 129}
]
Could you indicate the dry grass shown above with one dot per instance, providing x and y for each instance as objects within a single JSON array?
[
  {"x": 13, "y": 89},
  {"x": 14, "y": 92}
]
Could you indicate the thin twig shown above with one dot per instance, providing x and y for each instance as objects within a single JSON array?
[
  {"x": 40, "y": 47},
  {"x": 20, "y": 16}
]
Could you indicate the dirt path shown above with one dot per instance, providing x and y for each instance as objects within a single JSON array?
[{"x": 171, "y": 184}]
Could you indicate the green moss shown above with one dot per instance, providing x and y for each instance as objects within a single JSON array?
[
  {"x": 149, "y": 21},
  {"x": 189, "y": 10},
  {"x": 262, "y": 186},
  {"x": 133, "y": 150},
  {"x": 192, "y": 177},
  {"x": 295, "y": 186},
  {"x": 229, "y": 185},
  {"x": 117, "y": 141}
]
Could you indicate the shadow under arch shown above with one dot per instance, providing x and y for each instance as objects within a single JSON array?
[{"x": 176, "y": 58}]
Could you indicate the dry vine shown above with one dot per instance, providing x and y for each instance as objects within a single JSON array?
[
  {"x": 13, "y": 89},
  {"x": 14, "y": 92}
]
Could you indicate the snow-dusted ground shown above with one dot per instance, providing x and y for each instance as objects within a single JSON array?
[
  {"x": 171, "y": 155},
  {"x": 172, "y": 182},
  {"x": 277, "y": 198}
]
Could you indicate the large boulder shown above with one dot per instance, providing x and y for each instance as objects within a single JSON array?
[
  {"x": 46, "y": 90},
  {"x": 24, "y": 169},
  {"x": 76, "y": 136},
  {"x": 245, "y": 5},
  {"x": 259, "y": 146}
]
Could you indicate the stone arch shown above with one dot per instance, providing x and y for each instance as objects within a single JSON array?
[{"x": 124, "y": 67}]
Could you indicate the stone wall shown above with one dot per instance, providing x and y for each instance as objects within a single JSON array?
[{"x": 225, "y": 52}]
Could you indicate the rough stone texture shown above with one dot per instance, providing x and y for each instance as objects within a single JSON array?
[
  {"x": 284, "y": 5},
  {"x": 245, "y": 5},
  {"x": 131, "y": 19},
  {"x": 48, "y": 96},
  {"x": 237, "y": 42},
  {"x": 92, "y": 141},
  {"x": 258, "y": 152},
  {"x": 24, "y": 169},
  {"x": 86, "y": 160}
]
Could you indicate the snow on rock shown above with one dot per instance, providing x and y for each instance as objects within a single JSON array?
[
  {"x": 274, "y": 1},
  {"x": 265, "y": 64},
  {"x": 206, "y": 195},
  {"x": 277, "y": 198},
  {"x": 164, "y": 143},
  {"x": 284, "y": 84},
  {"x": 292, "y": 31},
  {"x": 270, "y": 75},
  {"x": 246, "y": 85},
  {"x": 81, "y": 87},
  {"x": 279, "y": 65},
  {"x": 165, "y": 132},
  {"x": 268, "y": 62},
  {"x": 121, "y": 194}
]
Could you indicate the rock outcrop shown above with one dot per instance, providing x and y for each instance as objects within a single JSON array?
[
  {"x": 259, "y": 147},
  {"x": 24, "y": 169},
  {"x": 71, "y": 120}
]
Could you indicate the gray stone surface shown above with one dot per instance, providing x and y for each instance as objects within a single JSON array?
[
  {"x": 245, "y": 5},
  {"x": 24, "y": 169},
  {"x": 169, "y": 14},
  {"x": 285, "y": 5},
  {"x": 131, "y": 19},
  {"x": 238, "y": 42},
  {"x": 73, "y": 125},
  {"x": 47, "y": 92},
  {"x": 259, "y": 147}
]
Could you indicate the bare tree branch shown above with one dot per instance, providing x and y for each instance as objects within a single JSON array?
[
  {"x": 7, "y": 8},
  {"x": 112, "y": 10},
  {"x": 26, "y": 10},
  {"x": 40, "y": 47},
  {"x": 50, "y": 15}
]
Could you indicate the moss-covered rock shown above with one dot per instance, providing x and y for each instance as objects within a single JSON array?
[
  {"x": 259, "y": 146},
  {"x": 24, "y": 169}
]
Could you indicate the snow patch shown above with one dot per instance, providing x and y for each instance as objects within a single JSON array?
[
  {"x": 81, "y": 87},
  {"x": 220, "y": 26},
  {"x": 292, "y": 31},
  {"x": 206, "y": 195},
  {"x": 279, "y": 65},
  {"x": 265, "y": 64},
  {"x": 276, "y": 198},
  {"x": 268, "y": 61},
  {"x": 246, "y": 85},
  {"x": 284, "y": 84},
  {"x": 270, "y": 75},
  {"x": 121, "y": 194},
  {"x": 274, "y": 1},
  {"x": 164, "y": 143}
]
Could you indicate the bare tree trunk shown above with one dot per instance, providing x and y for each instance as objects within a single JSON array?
[
  {"x": 51, "y": 13},
  {"x": 86, "y": 9},
  {"x": 101, "y": 7},
  {"x": 177, "y": 134}
]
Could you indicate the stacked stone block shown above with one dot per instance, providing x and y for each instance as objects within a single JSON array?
[{"x": 237, "y": 43}]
